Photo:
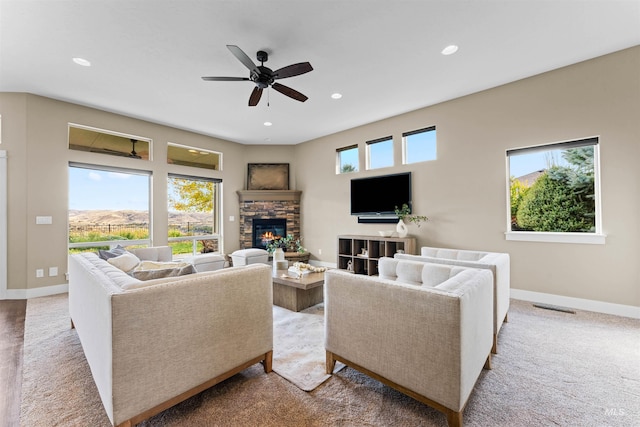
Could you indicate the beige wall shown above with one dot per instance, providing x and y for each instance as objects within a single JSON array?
[
  {"x": 463, "y": 192},
  {"x": 35, "y": 138}
]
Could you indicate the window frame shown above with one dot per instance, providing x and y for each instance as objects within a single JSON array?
[
  {"x": 405, "y": 150},
  {"x": 339, "y": 164},
  {"x": 373, "y": 142},
  {"x": 113, "y": 243},
  {"x": 597, "y": 237},
  {"x": 216, "y": 233}
]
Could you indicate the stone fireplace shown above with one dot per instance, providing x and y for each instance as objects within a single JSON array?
[{"x": 267, "y": 205}]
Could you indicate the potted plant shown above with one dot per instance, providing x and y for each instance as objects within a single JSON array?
[
  {"x": 403, "y": 214},
  {"x": 288, "y": 244}
]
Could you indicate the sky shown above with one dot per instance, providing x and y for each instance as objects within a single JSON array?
[{"x": 94, "y": 189}]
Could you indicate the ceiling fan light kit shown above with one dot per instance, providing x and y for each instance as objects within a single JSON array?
[{"x": 264, "y": 77}]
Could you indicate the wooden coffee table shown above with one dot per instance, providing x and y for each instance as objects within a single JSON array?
[{"x": 297, "y": 294}]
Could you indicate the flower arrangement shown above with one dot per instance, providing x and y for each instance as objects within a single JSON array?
[
  {"x": 403, "y": 215},
  {"x": 289, "y": 244}
]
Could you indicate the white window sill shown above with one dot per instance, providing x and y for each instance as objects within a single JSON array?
[{"x": 535, "y": 236}]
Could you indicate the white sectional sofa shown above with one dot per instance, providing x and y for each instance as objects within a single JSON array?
[
  {"x": 497, "y": 263},
  {"x": 424, "y": 329},
  {"x": 152, "y": 344}
]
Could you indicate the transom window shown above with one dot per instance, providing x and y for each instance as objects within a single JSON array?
[
  {"x": 380, "y": 153},
  {"x": 419, "y": 145},
  {"x": 192, "y": 156},
  {"x": 100, "y": 141},
  {"x": 347, "y": 159},
  {"x": 554, "y": 192}
]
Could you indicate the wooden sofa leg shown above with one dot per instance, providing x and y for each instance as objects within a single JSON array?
[
  {"x": 268, "y": 361},
  {"x": 330, "y": 363},
  {"x": 494, "y": 347},
  {"x": 72, "y": 325},
  {"x": 506, "y": 318},
  {"x": 487, "y": 363},
  {"x": 454, "y": 419}
]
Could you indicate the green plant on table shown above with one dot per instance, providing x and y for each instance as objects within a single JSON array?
[
  {"x": 289, "y": 244},
  {"x": 404, "y": 215}
]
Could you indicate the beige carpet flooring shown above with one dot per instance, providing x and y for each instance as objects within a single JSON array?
[{"x": 553, "y": 369}]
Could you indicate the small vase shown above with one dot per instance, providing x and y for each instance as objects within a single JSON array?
[
  {"x": 278, "y": 254},
  {"x": 402, "y": 229}
]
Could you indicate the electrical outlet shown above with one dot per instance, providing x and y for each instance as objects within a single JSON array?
[
  {"x": 319, "y": 251},
  {"x": 40, "y": 272},
  {"x": 53, "y": 271}
]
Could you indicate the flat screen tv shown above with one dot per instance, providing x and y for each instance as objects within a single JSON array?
[{"x": 379, "y": 195}]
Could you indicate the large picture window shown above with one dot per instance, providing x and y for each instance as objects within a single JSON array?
[
  {"x": 108, "y": 207},
  {"x": 194, "y": 214},
  {"x": 554, "y": 192}
]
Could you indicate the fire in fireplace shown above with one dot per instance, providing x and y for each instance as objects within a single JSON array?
[{"x": 266, "y": 230}]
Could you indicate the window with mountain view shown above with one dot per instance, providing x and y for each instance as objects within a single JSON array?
[
  {"x": 194, "y": 214},
  {"x": 108, "y": 207},
  {"x": 554, "y": 192}
]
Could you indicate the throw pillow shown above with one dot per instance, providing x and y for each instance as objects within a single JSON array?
[
  {"x": 125, "y": 262},
  {"x": 112, "y": 253}
]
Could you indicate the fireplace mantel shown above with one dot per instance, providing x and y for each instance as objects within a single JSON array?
[{"x": 267, "y": 195}]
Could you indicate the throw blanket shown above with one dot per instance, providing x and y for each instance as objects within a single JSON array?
[{"x": 148, "y": 270}]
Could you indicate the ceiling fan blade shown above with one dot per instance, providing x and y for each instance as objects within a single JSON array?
[
  {"x": 242, "y": 57},
  {"x": 255, "y": 96},
  {"x": 225, "y": 79},
  {"x": 291, "y": 93},
  {"x": 293, "y": 70}
]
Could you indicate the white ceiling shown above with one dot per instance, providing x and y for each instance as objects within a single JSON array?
[{"x": 383, "y": 56}]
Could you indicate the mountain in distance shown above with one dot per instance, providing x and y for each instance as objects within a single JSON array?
[{"x": 132, "y": 217}]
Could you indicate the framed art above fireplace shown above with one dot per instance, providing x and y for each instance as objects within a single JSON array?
[{"x": 268, "y": 176}]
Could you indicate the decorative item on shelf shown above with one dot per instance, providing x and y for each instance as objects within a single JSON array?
[
  {"x": 385, "y": 233},
  {"x": 403, "y": 214},
  {"x": 364, "y": 253},
  {"x": 350, "y": 266},
  {"x": 289, "y": 244}
]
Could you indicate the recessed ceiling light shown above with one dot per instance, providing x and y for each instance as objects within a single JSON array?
[
  {"x": 336, "y": 95},
  {"x": 268, "y": 123},
  {"x": 450, "y": 50},
  {"x": 193, "y": 151},
  {"x": 82, "y": 61}
]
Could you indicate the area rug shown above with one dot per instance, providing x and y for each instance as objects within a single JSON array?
[{"x": 298, "y": 346}]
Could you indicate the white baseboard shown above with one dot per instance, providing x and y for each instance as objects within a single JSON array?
[
  {"x": 578, "y": 303},
  {"x": 36, "y": 292}
]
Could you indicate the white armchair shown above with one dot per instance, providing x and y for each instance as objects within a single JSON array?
[
  {"x": 423, "y": 329},
  {"x": 497, "y": 263}
]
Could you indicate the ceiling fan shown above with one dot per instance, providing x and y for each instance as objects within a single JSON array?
[
  {"x": 132, "y": 154},
  {"x": 264, "y": 77}
]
